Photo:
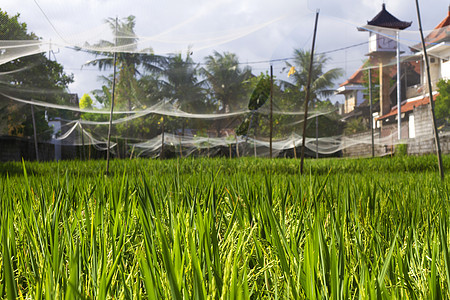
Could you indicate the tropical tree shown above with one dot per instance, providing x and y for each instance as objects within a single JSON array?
[
  {"x": 322, "y": 82},
  {"x": 227, "y": 85},
  {"x": 29, "y": 77},
  {"x": 356, "y": 125},
  {"x": 260, "y": 92},
  {"x": 226, "y": 80},
  {"x": 442, "y": 104},
  {"x": 182, "y": 86},
  {"x": 129, "y": 61},
  {"x": 86, "y": 102}
]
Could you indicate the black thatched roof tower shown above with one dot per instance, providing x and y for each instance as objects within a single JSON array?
[{"x": 385, "y": 19}]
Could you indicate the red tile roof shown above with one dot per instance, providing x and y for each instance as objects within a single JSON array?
[
  {"x": 357, "y": 77},
  {"x": 444, "y": 22},
  {"x": 408, "y": 106},
  {"x": 440, "y": 33}
]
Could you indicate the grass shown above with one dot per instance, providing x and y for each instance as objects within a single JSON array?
[{"x": 225, "y": 229}]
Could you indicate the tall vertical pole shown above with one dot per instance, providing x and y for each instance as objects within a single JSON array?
[
  {"x": 317, "y": 136},
  {"x": 112, "y": 104},
  {"x": 308, "y": 88},
  {"x": 430, "y": 90},
  {"x": 271, "y": 110},
  {"x": 161, "y": 154},
  {"x": 399, "y": 92},
  {"x": 371, "y": 110},
  {"x": 34, "y": 133},
  {"x": 82, "y": 141}
]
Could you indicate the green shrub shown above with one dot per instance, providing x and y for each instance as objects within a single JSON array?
[{"x": 401, "y": 149}]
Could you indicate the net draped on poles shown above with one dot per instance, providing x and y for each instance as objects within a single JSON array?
[{"x": 203, "y": 90}]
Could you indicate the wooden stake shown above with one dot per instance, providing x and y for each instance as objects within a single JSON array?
[
  {"x": 82, "y": 142},
  {"x": 308, "y": 90},
  {"x": 112, "y": 106},
  {"x": 430, "y": 90},
  {"x": 34, "y": 133},
  {"x": 371, "y": 110},
  {"x": 161, "y": 154},
  {"x": 271, "y": 111}
]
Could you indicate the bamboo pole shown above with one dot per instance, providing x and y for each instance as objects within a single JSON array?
[
  {"x": 371, "y": 111},
  {"x": 308, "y": 87},
  {"x": 430, "y": 90},
  {"x": 82, "y": 142},
  {"x": 112, "y": 105},
  {"x": 36, "y": 148},
  {"x": 399, "y": 93},
  {"x": 271, "y": 111},
  {"x": 317, "y": 136}
]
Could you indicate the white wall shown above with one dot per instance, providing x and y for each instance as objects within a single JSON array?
[
  {"x": 359, "y": 97},
  {"x": 412, "y": 126},
  {"x": 445, "y": 69}
]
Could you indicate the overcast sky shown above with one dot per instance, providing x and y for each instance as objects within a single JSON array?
[{"x": 256, "y": 30}]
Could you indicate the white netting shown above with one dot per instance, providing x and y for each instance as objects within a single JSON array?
[{"x": 193, "y": 89}]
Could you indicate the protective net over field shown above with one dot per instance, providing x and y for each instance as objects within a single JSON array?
[{"x": 213, "y": 79}]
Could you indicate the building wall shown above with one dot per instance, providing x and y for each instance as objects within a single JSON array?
[
  {"x": 416, "y": 146},
  {"x": 422, "y": 121},
  {"x": 423, "y": 142},
  {"x": 350, "y": 102},
  {"x": 359, "y": 98},
  {"x": 390, "y": 130},
  {"x": 435, "y": 72},
  {"x": 351, "y": 147}
]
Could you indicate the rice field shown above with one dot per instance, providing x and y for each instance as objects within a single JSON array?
[{"x": 225, "y": 229}]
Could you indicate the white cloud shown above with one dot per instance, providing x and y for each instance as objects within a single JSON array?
[{"x": 200, "y": 18}]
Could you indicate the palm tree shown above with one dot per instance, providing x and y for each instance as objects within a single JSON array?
[
  {"x": 227, "y": 84},
  {"x": 321, "y": 82},
  {"x": 226, "y": 80},
  {"x": 129, "y": 60},
  {"x": 182, "y": 86}
]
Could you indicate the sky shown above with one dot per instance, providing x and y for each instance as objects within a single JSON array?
[{"x": 258, "y": 31}]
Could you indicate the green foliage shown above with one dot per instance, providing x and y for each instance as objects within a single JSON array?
[
  {"x": 442, "y": 104},
  {"x": 375, "y": 80},
  {"x": 401, "y": 149},
  {"x": 38, "y": 72},
  {"x": 226, "y": 80},
  {"x": 129, "y": 65},
  {"x": 322, "y": 86},
  {"x": 260, "y": 87},
  {"x": 86, "y": 102},
  {"x": 355, "y": 125},
  {"x": 260, "y": 92},
  {"x": 322, "y": 82}
]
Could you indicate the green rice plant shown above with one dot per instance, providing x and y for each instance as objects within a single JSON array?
[{"x": 225, "y": 229}]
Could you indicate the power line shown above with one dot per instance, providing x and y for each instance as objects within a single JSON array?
[
  {"x": 50, "y": 22},
  {"x": 344, "y": 48},
  {"x": 264, "y": 61},
  {"x": 290, "y": 58}
]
